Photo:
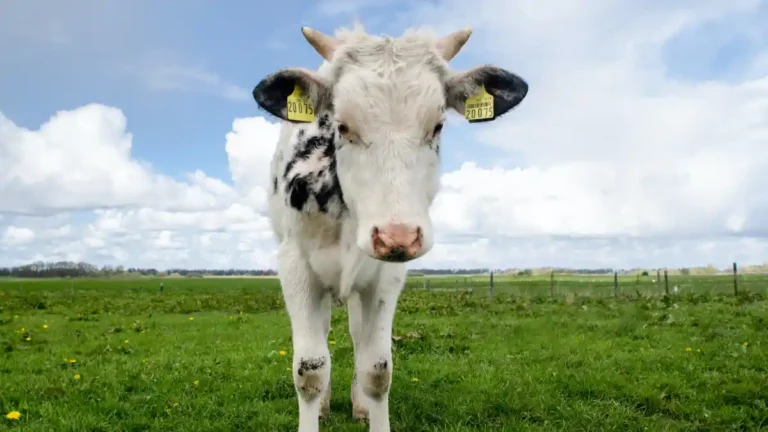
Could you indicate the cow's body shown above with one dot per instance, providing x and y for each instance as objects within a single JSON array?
[
  {"x": 309, "y": 216},
  {"x": 351, "y": 191}
]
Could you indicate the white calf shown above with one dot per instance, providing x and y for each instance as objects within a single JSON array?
[{"x": 353, "y": 177}]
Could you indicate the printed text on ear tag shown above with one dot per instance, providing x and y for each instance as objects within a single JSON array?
[
  {"x": 479, "y": 106},
  {"x": 299, "y": 108}
]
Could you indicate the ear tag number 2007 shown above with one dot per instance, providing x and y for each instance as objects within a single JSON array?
[
  {"x": 299, "y": 107},
  {"x": 479, "y": 106}
]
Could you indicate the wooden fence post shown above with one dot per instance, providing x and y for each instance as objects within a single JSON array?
[
  {"x": 735, "y": 280},
  {"x": 491, "y": 284},
  {"x": 552, "y": 284},
  {"x": 658, "y": 279},
  {"x": 615, "y": 284},
  {"x": 666, "y": 282}
]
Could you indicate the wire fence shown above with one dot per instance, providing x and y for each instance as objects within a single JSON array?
[{"x": 615, "y": 285}]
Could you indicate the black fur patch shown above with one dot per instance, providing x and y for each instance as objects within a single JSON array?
[
  {"x": 310, "y": 364},
  {"x": 297, "y": 189},
  {"x": 271, "y": 93},
  {"x": 507, "y": 89},
  {"x": 322, "y": 184}
]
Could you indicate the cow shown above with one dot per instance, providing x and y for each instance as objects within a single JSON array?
[{"x": 354, "y": 173}]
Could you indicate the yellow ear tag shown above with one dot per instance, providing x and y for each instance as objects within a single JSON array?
[
  {"x": 479, "y": 106},
  {"x": 299, "y": 108}
]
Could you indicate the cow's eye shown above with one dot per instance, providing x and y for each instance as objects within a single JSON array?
[
  {"x": 438, "y": 128},
  {"x": 343, "y": 129}
]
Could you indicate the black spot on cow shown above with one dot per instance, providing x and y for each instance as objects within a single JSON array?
[
  {"x": 301, "y": 187},
  {"x": 323, "y": 196},
  {"x": 310, "y": 364},
  {"x": 297, "y": 190},
  {"x": 274, "y": 185},
  {"x": 323, "y": 122}
]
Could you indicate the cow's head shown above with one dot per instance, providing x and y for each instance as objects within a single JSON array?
[{"x": 387, "y": 98}]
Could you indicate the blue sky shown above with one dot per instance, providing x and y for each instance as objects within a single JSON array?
[
  {"x": 603, "y": 96},
  {"x": 176, "y": 130}
]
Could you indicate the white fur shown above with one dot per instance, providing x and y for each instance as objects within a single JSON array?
[{"x": 388, "y": 171}]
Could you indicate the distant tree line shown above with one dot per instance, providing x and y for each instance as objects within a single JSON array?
[
  {"x": 228, "y": 272},
  {"x": 64, "y": 269}
]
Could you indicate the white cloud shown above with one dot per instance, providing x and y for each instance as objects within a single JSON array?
[
  {"x": 15, "y": 236},
  {"x": 615, "y": 148},
  {"x": 624, "y": 164},
  {"x": 81, "y": 159}
]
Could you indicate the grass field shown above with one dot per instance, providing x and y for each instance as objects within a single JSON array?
[{"x": 214, "y": 354}]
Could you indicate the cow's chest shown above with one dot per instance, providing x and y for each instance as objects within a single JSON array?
[
  {"x": 328, "y": 265},
  {"x": 329, "y": 252}
]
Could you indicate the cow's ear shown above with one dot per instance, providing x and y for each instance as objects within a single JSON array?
[
  {"x": 293, "y": 94},
  {"x": 485, "y": 93}
]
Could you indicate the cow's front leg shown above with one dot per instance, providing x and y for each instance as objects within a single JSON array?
[
  {"x": 309, "y": 307},
  {"x": 371, "y": 316}
]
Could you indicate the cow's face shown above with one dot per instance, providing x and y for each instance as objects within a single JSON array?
[{"x": 388, "y": 100}]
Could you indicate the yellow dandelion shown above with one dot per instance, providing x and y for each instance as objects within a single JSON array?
[
  {"x": 698, "y": 350},
  {"x": 45, "y": 326},
  {"x": 333, "y": 342},
  {"x": 72, "y": 361},
  {"x": 281, "y": 352},
  {"x": 414, "y": 379},
  {"x": 196, "y": 382},
  {"x": 77, "y": 376},
  {"x": 13, "y": 415},
  {"x": 175, "y": 404},
  {"x": 746, "y": 343},
  {"x": 22, "y": 329},
  {"x": 191, "y": 318},
  {"x": 15, "y": 316},
  {"x": 688, "y": 349},
  {"x": 143, "y": 360},
  {"x": 28, "y": 338},
  {"x": 125, "y": 341}
]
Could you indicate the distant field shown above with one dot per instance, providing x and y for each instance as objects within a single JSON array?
[{"x": 205, "y": 354}]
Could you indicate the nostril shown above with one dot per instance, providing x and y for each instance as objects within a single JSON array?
[
  {"x": 378, "y": 242},
  {"x": 419, "y": 236}
]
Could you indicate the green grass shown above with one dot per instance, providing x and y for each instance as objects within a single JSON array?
[{"x": 517, "y": 361}]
